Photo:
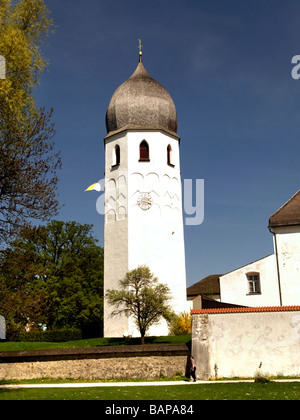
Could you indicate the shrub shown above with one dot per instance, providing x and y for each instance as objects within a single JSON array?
[
  {"x": 67, "y": 334},
  {"x": 181, "y": 324},
  {"x": 262, "y": 380}
]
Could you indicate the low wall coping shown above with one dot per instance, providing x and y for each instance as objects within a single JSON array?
[
  {"x": 94, "y": 353},
  {"x": 246, "y": 310}
]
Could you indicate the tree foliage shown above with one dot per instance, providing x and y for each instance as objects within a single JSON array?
[
  {"x": 141, "y": 296},
  {"x": 28, "y": 164},
  {"x": 23, "y": 26},
  {"x": 181, "y": 324},
  {"x": 52, "y": 276}
]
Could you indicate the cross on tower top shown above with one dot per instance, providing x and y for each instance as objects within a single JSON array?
[{"x": 140, "y": 49}]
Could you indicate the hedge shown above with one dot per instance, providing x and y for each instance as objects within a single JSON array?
[{"x": 67, "y": 334}]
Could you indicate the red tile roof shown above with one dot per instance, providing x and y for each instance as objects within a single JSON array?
[{"x": 239, "y": 310}]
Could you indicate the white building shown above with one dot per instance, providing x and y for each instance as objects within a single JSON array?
[
  {"x": 143, "y": 198},
  {"x": 275, "y": 279}
]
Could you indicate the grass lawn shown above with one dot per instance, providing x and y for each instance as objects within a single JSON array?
[
  {"x": 216, "y": 391},
  {"x": 93, "y": 342}
]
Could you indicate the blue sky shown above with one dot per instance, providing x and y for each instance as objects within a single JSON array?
[{"x": 227, "y": 65}]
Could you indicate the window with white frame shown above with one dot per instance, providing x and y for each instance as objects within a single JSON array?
[{"x": 253, "y": 283}]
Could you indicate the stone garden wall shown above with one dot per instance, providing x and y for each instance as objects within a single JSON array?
[{"x": 126, "y": 362}]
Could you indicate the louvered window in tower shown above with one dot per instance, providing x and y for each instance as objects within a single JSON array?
[
  {"x": 144, "y": 151},
  {"x": 169, "y": 156},
  {"x": 116, "y": 156}
]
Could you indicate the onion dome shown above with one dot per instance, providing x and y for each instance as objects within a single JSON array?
[{"x": 141, "y": 103}]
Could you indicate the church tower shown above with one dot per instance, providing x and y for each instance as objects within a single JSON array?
[{"x": 143, "y": 197}]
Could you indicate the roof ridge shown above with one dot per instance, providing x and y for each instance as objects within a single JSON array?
[{"x": 250, "y": 263}]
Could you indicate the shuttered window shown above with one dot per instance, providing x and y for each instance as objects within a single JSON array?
[
  {"x": 169, "y": 156},
  {"x": 144, "y": 151}
]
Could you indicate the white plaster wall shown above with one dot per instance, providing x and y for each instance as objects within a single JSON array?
[
  {"x": 134, "y": 236},
  {"x": 156, "y": 235},
  {"x": 238, "y": 342},
  {"x": 234, "y": 286},
  {"x": 288, "y": 247},
  {"x": 115, "y": 232}
]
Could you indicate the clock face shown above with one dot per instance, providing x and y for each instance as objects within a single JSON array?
[{"x": 145, "y": 201}]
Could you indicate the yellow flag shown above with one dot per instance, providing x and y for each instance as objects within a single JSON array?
[{"x": 96, "y": 187}]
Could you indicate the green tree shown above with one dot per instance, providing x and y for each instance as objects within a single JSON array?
[
  {"x": 141, "y": 296},
  {"x": 28, "y": 163},
  {"x": 53, "y": 275}
]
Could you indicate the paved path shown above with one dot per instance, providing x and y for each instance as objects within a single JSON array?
[{"x": 124, "y": 384}]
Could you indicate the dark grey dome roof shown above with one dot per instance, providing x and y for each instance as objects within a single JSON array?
[{"x": 141, "y": 103}]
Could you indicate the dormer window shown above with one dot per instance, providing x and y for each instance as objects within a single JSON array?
[
  {"x": 253, "y": 283},
  {"x": 144, "y": 152},
  {"x": 169, "y": 156}
]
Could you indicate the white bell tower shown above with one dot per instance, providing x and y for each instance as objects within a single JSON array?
[{"x": 143, "y": 197}]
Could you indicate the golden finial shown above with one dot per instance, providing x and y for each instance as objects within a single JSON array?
[{"x": 140, "y": 50}]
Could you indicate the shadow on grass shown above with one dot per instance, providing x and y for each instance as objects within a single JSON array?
[{"x": 135, "y": 341}]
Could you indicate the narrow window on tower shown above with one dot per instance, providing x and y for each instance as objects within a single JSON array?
[
  {"x": 169, "y": 156},
  {"x": 116, "y": 156},
  {"x": 144, "y": 152}
]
